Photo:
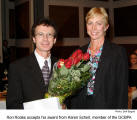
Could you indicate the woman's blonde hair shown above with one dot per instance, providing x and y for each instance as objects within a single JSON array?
[{"x": 93, "y": 12}]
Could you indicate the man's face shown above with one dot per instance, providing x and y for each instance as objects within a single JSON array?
[{"x": 44, "y": 38}]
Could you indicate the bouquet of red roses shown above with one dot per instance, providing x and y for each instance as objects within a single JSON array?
[{"x": 69, "y": 75}]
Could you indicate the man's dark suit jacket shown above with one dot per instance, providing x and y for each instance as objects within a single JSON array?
[
  {"x": 26, "y": 82},
  {"x": 111, "y": 82}
]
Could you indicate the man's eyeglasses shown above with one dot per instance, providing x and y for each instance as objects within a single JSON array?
[{"x": 42, "y": 35}]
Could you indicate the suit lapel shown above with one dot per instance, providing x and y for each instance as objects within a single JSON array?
[
  {"x": 101, "y": 65},
  {"x": 53, "y": 60},
  {"x": 36, "y": 70}
]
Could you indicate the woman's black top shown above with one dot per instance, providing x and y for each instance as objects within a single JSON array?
[{"x": 132, "y": 77}]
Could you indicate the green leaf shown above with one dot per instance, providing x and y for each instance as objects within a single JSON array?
[
  {"x": 78, "y": 64},
  {"x": 85, "y": 68},
  {"x": 64, "y": 71}
]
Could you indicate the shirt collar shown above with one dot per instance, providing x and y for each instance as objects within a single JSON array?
[{"x": 41, "y": 60}]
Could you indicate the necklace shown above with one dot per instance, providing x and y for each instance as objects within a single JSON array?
[
  {"x": 96, "y": 51},
  {"x": 93, "y": 51}
]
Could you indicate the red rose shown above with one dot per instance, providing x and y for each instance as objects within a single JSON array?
[
  {"x": 68, "y": 63},
  {"x": 80, "y": 56},
  {"x": 86, "y": 56},
  {"x": 75, "y": 61},
  {"x": 77, "y": 58},
  {"x": 60, "y": 63},
  {"x": 75, "y": 54}
]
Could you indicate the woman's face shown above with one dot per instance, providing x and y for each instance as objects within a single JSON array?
[
  {"x": 96, "y": 27},
  {"x": 133, "y": 59}
]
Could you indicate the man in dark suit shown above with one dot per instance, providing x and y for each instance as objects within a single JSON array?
[
  {"x": 26, "y": 81},
  {"x": 1, "y": 76},
  {"x": 6, "y": 54},
  {"x": 1, "y": 69}
]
